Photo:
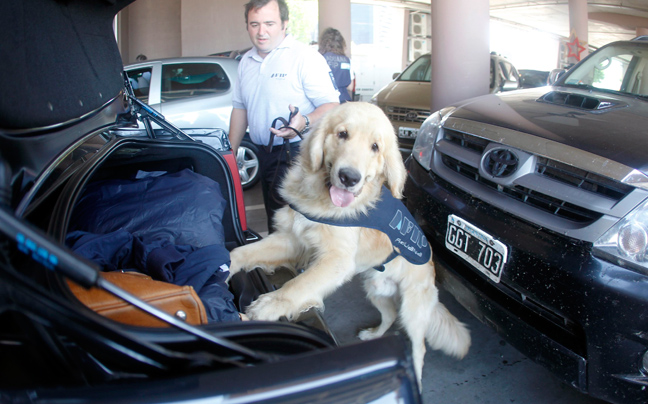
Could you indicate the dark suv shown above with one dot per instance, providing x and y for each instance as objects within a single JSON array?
[{"x": 536, "y": 203}]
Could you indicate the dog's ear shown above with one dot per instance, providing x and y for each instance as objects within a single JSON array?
[
  {"x": 313, "y": 156},
  {"x": 395, "y": 171}
]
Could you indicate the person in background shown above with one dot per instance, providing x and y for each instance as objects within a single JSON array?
[
  {"x": 332, "y": 46},
  {"x": 278, "y": 77}
]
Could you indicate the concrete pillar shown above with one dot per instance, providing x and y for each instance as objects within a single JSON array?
[
  {"x": 122, "y": 36},
  {"x": 336, "y": 14},
  {"x": 154, "y": 29},
  {"x": 642, "y": 31},
  {"x": 578, "y": 28},
  {"x": 460, "y": 50}
]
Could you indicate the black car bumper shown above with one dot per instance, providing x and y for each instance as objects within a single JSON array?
[{"x": 583, "y": 318}]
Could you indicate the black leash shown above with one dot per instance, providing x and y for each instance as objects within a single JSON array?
[
  {"x": 286, "y": 125},
  {"x": 284, "y": 146}
]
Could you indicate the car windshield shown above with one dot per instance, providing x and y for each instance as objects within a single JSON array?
[
  {"x": 418, "y": 71},
  {"x": 617, "y": 67}
]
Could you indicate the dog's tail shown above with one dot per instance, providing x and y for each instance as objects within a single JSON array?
[{"x": 446, "y": 333}]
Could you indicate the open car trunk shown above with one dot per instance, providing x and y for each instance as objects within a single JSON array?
[{"x": 134, "y": 191}]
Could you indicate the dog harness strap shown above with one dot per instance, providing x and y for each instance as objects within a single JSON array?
[
  {"x": 391, "y": 217},
  {"x": 381, "y": 267}
]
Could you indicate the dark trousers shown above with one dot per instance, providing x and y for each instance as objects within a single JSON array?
[{"x": 273, "y": 167}]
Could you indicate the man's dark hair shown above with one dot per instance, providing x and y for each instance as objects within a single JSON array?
[{"x": 257, "y": 4}]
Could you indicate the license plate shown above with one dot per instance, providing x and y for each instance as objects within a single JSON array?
[
  {"x": 477, "y": 247},
  {"x": 408, "y": 133}
]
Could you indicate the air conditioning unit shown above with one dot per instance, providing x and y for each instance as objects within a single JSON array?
[{"x": 419, "y": 35}]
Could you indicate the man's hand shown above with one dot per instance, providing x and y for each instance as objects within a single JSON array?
[{"x": 298, "y": 122}]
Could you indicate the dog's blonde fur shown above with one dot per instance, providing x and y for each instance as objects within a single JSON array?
[{"x": 356, "y": 138}]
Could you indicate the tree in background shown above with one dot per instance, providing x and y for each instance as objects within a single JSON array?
[{"x": 303, "y": 20}]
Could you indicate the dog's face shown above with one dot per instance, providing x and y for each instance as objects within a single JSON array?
[{"x": 355, "y": 146}]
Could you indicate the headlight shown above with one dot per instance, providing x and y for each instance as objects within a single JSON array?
[
  {"x": 427, "y": 135},
  {"x": 626, "y": 243}
]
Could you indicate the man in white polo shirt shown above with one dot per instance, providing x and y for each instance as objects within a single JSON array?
[{"x": 278, "y": 78}]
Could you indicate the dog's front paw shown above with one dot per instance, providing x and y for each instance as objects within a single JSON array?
[
  {"x": 370, "y": 333},
  {"x": 237, "y": 261},
  {"x": 270, "y": 307},
  {"x": 240, "y": 261}
]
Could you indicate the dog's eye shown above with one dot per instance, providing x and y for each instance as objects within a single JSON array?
[
  {"x": 343, "y": 135},
  {"x": 374, "y": 147}
]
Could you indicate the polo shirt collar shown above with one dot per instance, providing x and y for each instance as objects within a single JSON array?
[{"x": 287, "y": 42}]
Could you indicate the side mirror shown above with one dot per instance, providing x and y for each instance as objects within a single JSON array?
[
  {"x": 510, "y": 85},
  {"x": 554, "y": 75},
  {"x": 395, "y": 75}
]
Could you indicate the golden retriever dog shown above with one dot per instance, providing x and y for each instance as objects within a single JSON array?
[{"x": 340, "y": 171}]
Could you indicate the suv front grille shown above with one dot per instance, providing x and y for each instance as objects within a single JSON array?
[
  {"x": 473, "y": 143},
  {"x": 403, "y": 114},
  {"x": 579, "y": 180},
  {"x": 582, "y": 179}
]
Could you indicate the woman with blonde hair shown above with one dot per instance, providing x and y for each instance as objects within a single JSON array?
[{"x": 332, "y": 46}]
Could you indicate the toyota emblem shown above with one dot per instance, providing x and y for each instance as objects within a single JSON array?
[
  {"x": 411, "y": 116},
  {"x": 500, "y": 163}
]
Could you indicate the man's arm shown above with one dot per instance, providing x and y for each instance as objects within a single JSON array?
[
  {"x": 318, "y": 113},
  {"x": 238, "y": 126},
  {"x": 299, "y": 122}
]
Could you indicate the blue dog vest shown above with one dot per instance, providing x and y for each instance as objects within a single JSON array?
[{"x": 391, "y": 217}]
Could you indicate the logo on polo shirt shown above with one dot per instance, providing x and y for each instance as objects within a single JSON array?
[{"x": 279, "y": 76}]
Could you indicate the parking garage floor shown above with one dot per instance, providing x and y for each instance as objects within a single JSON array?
[{"x": 492, "y": 372}]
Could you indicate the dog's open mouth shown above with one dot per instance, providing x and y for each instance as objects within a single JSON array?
[{"x": 341, "y": 197}]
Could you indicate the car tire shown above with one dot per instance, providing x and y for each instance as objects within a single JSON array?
[{"x": 247, "y": 160}]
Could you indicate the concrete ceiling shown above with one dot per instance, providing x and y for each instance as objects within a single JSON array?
[{"x": 609, "y": 20}]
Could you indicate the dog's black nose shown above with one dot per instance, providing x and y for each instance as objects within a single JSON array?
[{"x": 349, "y": 177}]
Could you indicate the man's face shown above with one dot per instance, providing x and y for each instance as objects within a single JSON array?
[{"x": 265, "y": 28}]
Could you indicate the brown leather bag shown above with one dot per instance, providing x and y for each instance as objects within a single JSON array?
[{"x": 165, "y": 296}]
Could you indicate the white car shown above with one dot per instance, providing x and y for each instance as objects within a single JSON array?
[{"x": 194, "y": 93}]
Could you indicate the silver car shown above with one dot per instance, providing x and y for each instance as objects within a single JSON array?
[{"x": 194, "y": 93}]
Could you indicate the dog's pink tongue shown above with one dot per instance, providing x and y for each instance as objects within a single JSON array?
[{"x": 340, "y": 197}]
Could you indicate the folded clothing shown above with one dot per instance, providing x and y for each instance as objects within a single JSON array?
[
  {"x": 183, "y": 207},
  {"x": 167, "y": 226}
]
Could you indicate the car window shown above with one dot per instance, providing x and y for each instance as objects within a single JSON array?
[
  {"x": 140, "y": 80},
  {"x": 420, "y": 70},
  {"x": 185, "y": 80},
  {"x": 607, "y": 74},
  {"x": 620, "y": 68}
]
